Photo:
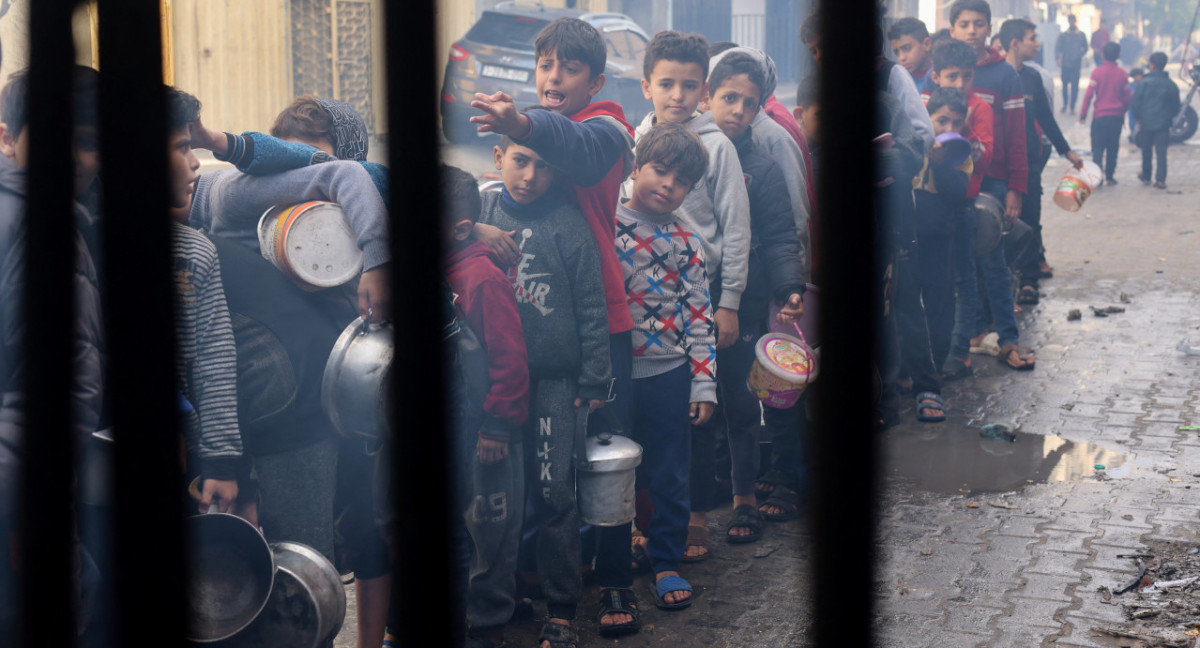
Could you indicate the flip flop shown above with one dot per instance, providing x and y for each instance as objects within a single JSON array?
[
  {"x": 930, "y": 401},
  {"x": 1024, "y": 354},
  {"x": 956, "y": 369},
  {"x": 668, "y": 584},
  {"x": 698, "y": 536},
  {"x": 784, "y": 499},
  {"x": 744, "y": 517}
]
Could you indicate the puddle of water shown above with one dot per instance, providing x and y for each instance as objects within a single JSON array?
[{"x": 952, "y": 459}]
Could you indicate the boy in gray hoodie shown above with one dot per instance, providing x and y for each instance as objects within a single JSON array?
[
  {"x": 717, "y": 209},
  {"x": 564, "y": 317}
]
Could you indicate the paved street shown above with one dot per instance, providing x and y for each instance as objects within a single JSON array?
[{"x": 996, "y": 544}]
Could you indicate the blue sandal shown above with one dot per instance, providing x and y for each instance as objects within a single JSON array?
[
  {"x": 668, "y": 584},
  {"x": 928, "y": 402}
]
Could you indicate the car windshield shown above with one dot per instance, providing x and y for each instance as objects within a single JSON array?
[{"x": 506, "y": 30}]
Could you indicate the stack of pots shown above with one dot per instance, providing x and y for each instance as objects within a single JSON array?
[{"x": 244, "y": 592}]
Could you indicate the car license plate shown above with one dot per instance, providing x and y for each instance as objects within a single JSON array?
[{"x": 508, "y": 74}]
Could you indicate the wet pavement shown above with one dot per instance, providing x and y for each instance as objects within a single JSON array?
[{"x": 995, "y": 543}]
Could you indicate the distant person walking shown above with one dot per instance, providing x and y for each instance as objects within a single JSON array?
[
  {"x": 1068, "y": 52},
  {"x": 1100, "y": 38}
]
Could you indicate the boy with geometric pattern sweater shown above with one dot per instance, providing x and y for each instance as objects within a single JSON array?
[{"x": 674, "y": 363}]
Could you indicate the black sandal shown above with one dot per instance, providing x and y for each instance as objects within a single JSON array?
[
  {"x": 784, "y": 499},
  {"x": 773, "y": 477},
  {"x": 559, "y": 635},
  {"x": 618, "y": 600},
  {"x": 746, "y": 517}
]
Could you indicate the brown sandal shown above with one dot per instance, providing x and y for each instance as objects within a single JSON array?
[
  {"x": 1024, "y": 355},
  {"x": 698, "y": 536}
]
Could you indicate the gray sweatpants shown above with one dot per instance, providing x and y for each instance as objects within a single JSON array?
[
  {"x": 549, "y": 441},
  {"x": 494, "y": 518}
]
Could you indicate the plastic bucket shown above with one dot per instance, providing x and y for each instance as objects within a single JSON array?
[
  {"x": 312, "y": 243},
  {"x": 783, "y": 367},
  {"x": 1076, "y": 185}
]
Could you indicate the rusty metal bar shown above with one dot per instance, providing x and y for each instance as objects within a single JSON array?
[
  {"x": 46, "y": 572},
  {"x": 149, "y": 543}
]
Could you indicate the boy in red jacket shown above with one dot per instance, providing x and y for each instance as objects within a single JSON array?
[
  {"x": 1110, "y": 86},
  {"x": 485, "y": 300},
  {"x": 593, "y": 144}
]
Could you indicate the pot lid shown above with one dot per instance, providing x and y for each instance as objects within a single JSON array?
[{"x": 613, "y": 454}]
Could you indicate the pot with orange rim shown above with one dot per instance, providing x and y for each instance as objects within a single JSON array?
[
  {"x": 312, "y": 243},
  {"x": 783, "y": 368}
]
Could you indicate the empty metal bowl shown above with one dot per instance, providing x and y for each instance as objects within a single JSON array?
[{"x": 230, "y": 575}]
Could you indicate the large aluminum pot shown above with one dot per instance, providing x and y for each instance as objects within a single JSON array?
[
  {"x": 230, "y": 575},
  {"x": 355, "y": 386},
  {"x": 322, "y": 581},
  {"x": 307, "y": 604}
]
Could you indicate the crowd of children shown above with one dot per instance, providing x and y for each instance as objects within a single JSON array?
[{"x": 618, "y": 281}]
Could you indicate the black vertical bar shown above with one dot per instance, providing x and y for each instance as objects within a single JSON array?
[
  {"x": 148, "y": 542},
  {"x": 417, "y": 389},
  {"x": 46, "y": 567},
  {"x": 844, "y": 462}
]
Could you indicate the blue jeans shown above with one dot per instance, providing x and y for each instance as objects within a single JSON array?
[{"x": 969, "y": 319}]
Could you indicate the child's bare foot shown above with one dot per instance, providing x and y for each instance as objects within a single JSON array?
[
  {"x": 674, "y": 596},
  {"x": 556, "y": 637},
  {"x": 699, "y": 539},
  {"x": 743, "y": 531}
]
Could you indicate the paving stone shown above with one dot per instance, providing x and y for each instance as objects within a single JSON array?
[
  {"x": 1051, "y": 587},
  {"x": 1020, "y": 525},
  {"x": 1118, "y": 536},
  {"x": 1155, "y": 443},
  {"x": 970, "y": 618},
  {"x": 1058, "y": 540},
  {"x": 1056, "y": 562},
  {"x": 1035, "y": 612}
]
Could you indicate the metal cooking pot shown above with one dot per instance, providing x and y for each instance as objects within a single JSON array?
[
  {"x": 605, "y": 472},
  {"x": 231, "y": 572},
  {"x": 322, "y": 584},
  {"x": 355, "y": 386}
]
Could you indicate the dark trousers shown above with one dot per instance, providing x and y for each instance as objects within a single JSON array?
[
  {"x": 737, "y": 418},
  {"x": 1158, "y": 139},
  {"x": 1106, "y": 142},
  {"x": 1031, "y": 215},
  {"x": 549, "y": 442},
  {"x": 493, "y": 518},
  {"x": 612, "y": 543},
  {"x": 935, "y": 232},
  {"x": 662, "y": 426},
  {"x": 1070, "y": 79},
  {"x": 912, "y": 330}
]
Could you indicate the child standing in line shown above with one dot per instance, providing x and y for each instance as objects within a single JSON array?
[
  {"x": 776, "y": 273},
  {"x": 1154, "y": 106},
  {"x": 674, "y": 364},
  {"x": 494, "y": 514},
  {"x": 592, "y": 142},
  {"x": 563, "y": 316},
  {"x": 954, "y": 67},
  {"x": 940, "y": 192},
  {"x": 1110, "y": 86},
  {"x": 717, "y": 210},
  {"x": 911, "y": 45}
]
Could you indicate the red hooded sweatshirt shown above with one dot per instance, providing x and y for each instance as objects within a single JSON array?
[
  {"x": 578, "y": 151},
  {"x": 487, "y": 302}
]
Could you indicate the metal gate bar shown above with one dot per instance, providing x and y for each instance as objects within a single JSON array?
[
  {"x": 48, "y": 616},
  {"x": 844, "y": 461},
  {"x": 422, "y": 465},
  {"x": 139, "y": 317}
]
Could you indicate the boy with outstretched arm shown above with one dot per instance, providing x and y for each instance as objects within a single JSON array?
[
  {"x": 590, "y": 142},
  {"x": 494, "y": 514},
  {"x": 674, "y": 364},
  {"x": 775, "y": 274},
  {"x": 675, "y": 72}
]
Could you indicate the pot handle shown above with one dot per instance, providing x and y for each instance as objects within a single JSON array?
[{"x": 579, "y": 452}]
